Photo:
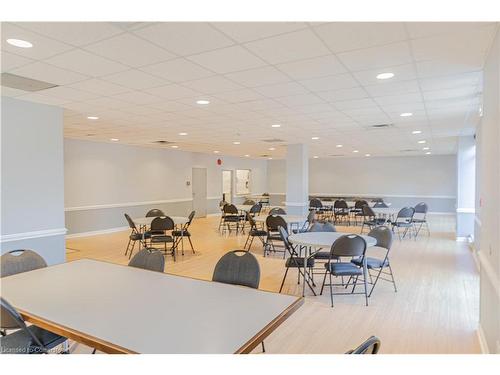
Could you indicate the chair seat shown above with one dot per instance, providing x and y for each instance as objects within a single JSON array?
[
  {"x": 401, "y": 224},
  {"x": 161, "y": 239},
  {"x": 258, "y": 232},
  {"x": 19, "y": 342},
  {"x": 343, "y": 269},
  {"x": 374, "y": 222},
  {"x": 139, "y": 236},
  {"x": 298, "y": 262},
  {"x": 232, "y": 219},
  {"x": 181, "y": 233},
  {"x": 372, "y": 263},
  {"x": 419, "y": 220},
  {"x": 324, "y": 255}
]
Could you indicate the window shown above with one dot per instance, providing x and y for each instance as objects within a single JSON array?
[{"x": 242, "y": 181}]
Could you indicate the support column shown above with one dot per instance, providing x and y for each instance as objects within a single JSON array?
[
  {"x": 297, "y": 179},
  {"x": 466, "y": 189}
]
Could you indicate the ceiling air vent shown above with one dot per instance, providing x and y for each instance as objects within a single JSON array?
[
  {"x": 382, "y": 126},
  {"x": 265, "y": 156},
  {"x": 336, "y": 155},
  {"x": 24, "y": 83},
  {"x": 408, "y": 150},
  {"x": 163, "y": 142},
  {"x": 273, "y": 140}
]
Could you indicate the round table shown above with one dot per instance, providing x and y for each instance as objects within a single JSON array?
[
  {"x": 390, "y": 211},
  {"x": 243, "y": 207},
  {"x": 290, "y": 219},
  {"x": 178, "y": 220}
]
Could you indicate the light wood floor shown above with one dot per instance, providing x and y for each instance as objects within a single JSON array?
[{"x": 435, "y": 309}]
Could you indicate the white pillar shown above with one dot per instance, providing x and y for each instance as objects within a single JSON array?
[
  {"x": 297, "y": 179},
  {"x": 466, "y": 189}
]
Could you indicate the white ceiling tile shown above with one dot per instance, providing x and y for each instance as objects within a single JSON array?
[
  {"x": 7, "y": 91},
  {"x": 352, "y": 104},
  {"x": 267, "y": 75},
  {"x": 348, "y": 36},
  {"x": 450, "y": 82},
  {"x": 248, "y": 31},
  {"x": 135, "y": 79},
  {"x": 86, "y": 63},
  {"x": 343, "y": 94},
  {"x": 239, "y": 96},
  {"x": 184, "y": 38},
  {"x": 312, "y": 68},
  {"x": 299, "y": 100},
  {"x": 49, "y": 73},
  {"x": 461, "y": 92},
  {"x": 227, "y": 60},
  {"x": 68, "y": 93},
  {"x": 401, "y": 87},
  {"x": 178, "y": 70},
  {"x": 74, "y": 33},
  {"x": 42, "y": 47},
  {"x": 99, "y": 86},
  {"x": 402, "y": 98},
  {"x": 44, "y": 99},
  {"x": 336, "y": 82},
  {"x": 11, "y": 61},
  {"x": 281, "y": 89},
  {"x": 289, "y": 47},
  {"x": 212, "y": 85},
  {"x": 377, "y": 57},
  {"x": 138, "y": 97},
  {"x": 434, "y": 68},
  {"x": 423, "y": 29},
  {"x": 172, "y": 92},
  {"x": 130, "y": 50}
]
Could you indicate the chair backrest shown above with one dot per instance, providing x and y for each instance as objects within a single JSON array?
[
  {"x": 274, "y": 222},
  {"x": 368, "y": 211},
  {"x": 249, "y": 202},
  {"x": 284, "y": 237},
  {"x": 17, "y": 261},
  {"x": 230, "y": 209},
  {"x": 360, "y": 203},
  {"x": 256, "y": 208},
  {"x": 130, "y": 222},
  {"x": 277, "y": 211},
  {"x": 383, "y": 235},
  {"x": 421, "y": 208},
  {"x": 251, "y": 221},
  {"x": 315, "y": 203},
  {"x": 222, "y": 204},
  {"x": 311, "y": 216},
  {"x": 405, "y": 214},
  {"x": 149, "y": 259},
  {"x": 155, "y": 212},
  {"x": 191, "y": 217},
  {"x": 162, "y": 223},
  {"x": 370, "y": 346},
  {"x": 340, "y": 204},
  {"x": 238, "y": 267},
  {"x": 322, "y": 227},
  {"x": 380, "y": 204},
  {"x": 350, "y": 245}
]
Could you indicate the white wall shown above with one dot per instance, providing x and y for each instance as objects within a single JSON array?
[
  {"x": 428, "y": 178},
  {"x": 32, "y": 179},
  {"x": 105, "y": 180},
  {"x": 488, "y": 209},
  {"x": 466, "y": 186}
]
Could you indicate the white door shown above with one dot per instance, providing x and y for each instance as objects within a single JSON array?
[
  {"x": 227, "y": 186},
  {"x": 200, "y": 191}
]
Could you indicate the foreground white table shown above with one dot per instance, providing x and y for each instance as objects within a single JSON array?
[
  {"x": 178, "y": 220},
  {"x": 320, "y": 240},
  {"x": 121, "y": 309}
]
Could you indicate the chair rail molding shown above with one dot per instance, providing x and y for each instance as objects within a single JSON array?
[
  {"x": 34, "y": 234},
  {"x": 378, "y": 195},
  {"x": 126, "y": 204}
]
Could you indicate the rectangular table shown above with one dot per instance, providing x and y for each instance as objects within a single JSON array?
[{"x": 121, "y": 309}]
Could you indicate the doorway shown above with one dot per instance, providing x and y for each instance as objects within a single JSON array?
[
  {"x": 227, "y": 186},
  {"x": 199, "y": 191}
]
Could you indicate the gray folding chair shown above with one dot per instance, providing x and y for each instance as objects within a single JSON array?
[
  {"x": 420, "y": 218},
  {"x": 162, "y": 225},
  {"x": 135, "y": 235},
  {"x": 404, "y": 220},
  {"x": 184, "y": 232},
  {"x": 17, "y": 261},
  {"x": 149, "y": 259}
]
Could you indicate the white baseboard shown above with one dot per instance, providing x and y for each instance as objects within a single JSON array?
[
  {"x": 31, "y": 235},
  {"x": 97, "y": 232},
  {"x": 482, "y": 340}
]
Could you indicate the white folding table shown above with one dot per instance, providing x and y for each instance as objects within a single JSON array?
[{"x": 122, "y": 309}]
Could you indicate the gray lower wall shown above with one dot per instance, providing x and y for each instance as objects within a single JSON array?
[
  {"x": 51, "y": 248},
  {"x": 435, "y": 204}
]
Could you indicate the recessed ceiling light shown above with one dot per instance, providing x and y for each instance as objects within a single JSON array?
[
  {"x": 315, "y": 157},
  {"x": 271, "y": 149},
  {"x": 93, "y": 117},
  {"x": 367, "y": 154},
  {"x": 355, "y": 151},
  {"x": 236, "y": 143},
  {"x": 428, "y": 153},
  {"x": 174, "y": 146},
  {"x": 425, "y": 148},
  {"x": 276, "y": 126},
  {"x": 19, "y": 43},
  {"x": 114, "y": 139},
  {"x": 339, "y": 146},
  {"x": 385, "y": 75},
  {"x": 314, "y": 138},
  {"x": 406, "y": 114},
  {"x": 216, "y": 152},
  {"x": 422, "y": 141},
  {"x": 247, "y": 156},
  {"x": 270, "y": 158},
  {"x": 203, "y": 102},
  {"x": 416, "y": 132},
  {"x": 183, "y": 133}
]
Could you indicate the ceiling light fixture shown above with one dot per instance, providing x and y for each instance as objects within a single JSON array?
[
  {"x": 422, "y": 141},
  {"x": 385, "y": 75},
  {"x": 114, "y": 139},
  {"x": 236, "y": 143},
  {"x": 416, "y": 132},
  {"x": 93, "y": 117},
  {"x": 276, "y": 126},
  {"x": 425, "y": 148},
  {"x": 174, "y": 146},
  {"x": 247, "y": 156},
  {"x": 203, "y": 102},
  {"x": 271, "y": 149},
  {"x": 270, "y": 158},
  {"x": 314, "y": 138},
  {"x": 315, "y": 157},
  {"x": 406, "y": 114},
  {"x": 19, "y": 43},
  {"x": 183, "y": 133},
  {"x": 428, "y": 153},
  {"x": 355, "y": 151},
  {"x": 367, "y": 154},
  {"x": 339, "y": 146},
  {"x": 216, "y": 152}
]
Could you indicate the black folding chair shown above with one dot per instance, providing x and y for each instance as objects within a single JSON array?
[{"x": 273, "y": 234}]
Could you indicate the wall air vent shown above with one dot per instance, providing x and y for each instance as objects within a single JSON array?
[
  {"x": 24, "y": 83},
  {"x": 273, "y": 140}
]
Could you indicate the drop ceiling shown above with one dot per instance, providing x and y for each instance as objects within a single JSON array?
[{"x": 315, "y": 79}]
